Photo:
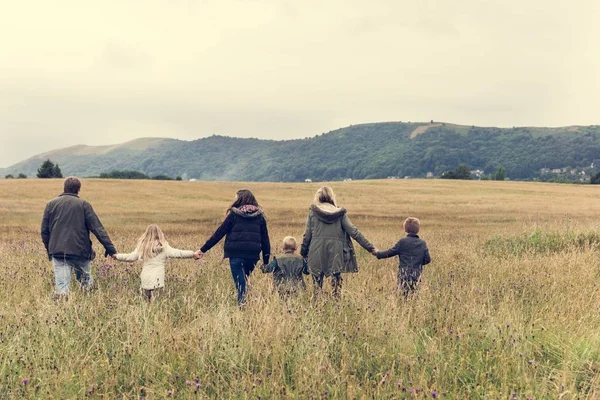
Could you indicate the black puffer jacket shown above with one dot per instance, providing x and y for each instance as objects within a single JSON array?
[
  {"x": 66, "y": 226},
  {"x": 247, "y": 235}
]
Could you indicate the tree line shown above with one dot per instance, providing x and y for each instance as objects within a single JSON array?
[{"x": 368, "y": 151}]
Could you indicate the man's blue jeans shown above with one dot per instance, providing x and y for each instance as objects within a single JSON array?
[
  {"x": 62, "y": 274},
  {"x": 241, "y": 268}
]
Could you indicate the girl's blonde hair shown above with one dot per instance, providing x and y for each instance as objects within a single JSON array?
[
  {"x": 324, "y": 195},
  {"x": 151, "y": 242}
]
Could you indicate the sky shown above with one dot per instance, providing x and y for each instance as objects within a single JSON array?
[{"x": 106, "y": 72}]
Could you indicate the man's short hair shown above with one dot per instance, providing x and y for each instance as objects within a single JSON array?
[
  {"x": 412, "y": 225},
  {"x": 72, "y": 185},
  {"x": 289, "y": 243}
]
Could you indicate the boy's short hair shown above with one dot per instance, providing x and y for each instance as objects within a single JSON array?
[
  {"x": 289, "y": 243},
  {"x": 412, "y": 225},
  {"x": 72, "y": 185}
]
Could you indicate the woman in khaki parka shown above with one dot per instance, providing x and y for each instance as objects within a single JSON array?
[{"x": 327, "y": 242}]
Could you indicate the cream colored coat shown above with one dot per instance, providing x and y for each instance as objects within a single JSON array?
[{"x": 153, "y": 272}]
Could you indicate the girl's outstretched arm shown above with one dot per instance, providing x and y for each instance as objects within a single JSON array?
[
  {"x": 176, "y": 253},
  {"x": 219, "y": 233},
  {"x": 128, "y": 257}
]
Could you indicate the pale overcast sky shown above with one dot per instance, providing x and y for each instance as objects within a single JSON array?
[{"x": 104, "y": 72}]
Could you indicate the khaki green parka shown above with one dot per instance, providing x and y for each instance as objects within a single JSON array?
[{"x": 327, "y": 242}]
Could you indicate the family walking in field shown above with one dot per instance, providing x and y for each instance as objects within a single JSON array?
[{"x": 326, "y": 250}]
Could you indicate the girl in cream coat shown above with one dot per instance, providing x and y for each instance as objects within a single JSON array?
[{"x": 153, "y": 249}]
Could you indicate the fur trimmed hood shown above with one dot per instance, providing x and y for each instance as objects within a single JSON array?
[
  {"x": 327, "y": 213},
  {"x": 247, "y": 211}
]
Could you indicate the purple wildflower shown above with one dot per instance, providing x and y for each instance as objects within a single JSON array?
[
  {"x": 25, "y": 381},
  {"x": 434, "y": 394},
  {"x": 169, "y": 392}
]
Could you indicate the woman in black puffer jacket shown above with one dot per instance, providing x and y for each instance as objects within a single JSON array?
[{"x": 246, "y": 235}]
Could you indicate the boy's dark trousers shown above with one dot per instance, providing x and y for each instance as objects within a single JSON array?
[{"x": 408, "y": 281}]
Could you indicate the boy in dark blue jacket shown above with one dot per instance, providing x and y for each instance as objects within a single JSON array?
[{"x": 412, "y": 253}]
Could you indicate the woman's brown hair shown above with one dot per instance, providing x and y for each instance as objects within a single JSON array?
[{"x": 244, "y": 198}]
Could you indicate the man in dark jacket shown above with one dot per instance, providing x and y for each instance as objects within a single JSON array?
[
  {"x": 412, "y": 253},
  {"x": 66, "y": 226}
]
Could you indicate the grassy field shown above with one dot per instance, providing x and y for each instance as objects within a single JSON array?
[{"x": 509, "y": 307}]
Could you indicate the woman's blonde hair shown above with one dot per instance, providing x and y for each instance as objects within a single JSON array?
[
  {"x": 325, "y": 195},
  {"x": 151, "y": 242}
]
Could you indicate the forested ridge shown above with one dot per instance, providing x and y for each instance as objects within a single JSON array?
[{"x": 365, "y": 151}]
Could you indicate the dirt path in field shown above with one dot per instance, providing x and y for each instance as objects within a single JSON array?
[{"x": 422, "y": 129}]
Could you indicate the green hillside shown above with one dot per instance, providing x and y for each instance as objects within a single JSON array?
[{"x": 375, "y": 150}]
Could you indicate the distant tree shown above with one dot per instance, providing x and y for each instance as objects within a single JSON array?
[
  {"x": 123, "y": 175},
  {"x": 9, "y": 176},
  {"x": 178, "y": 178},
  {"x": 500, "y": 174},
  {"x": 22, "y": 176},
  {"x": 46, "y": 170},
  {"x": 56, "y": 172},
  {"x": 162, "y": 178},
  {"x": 595, "y": 179},
  {"x": 463, "y": 172},
  {"x": 460, "y": 172},
  {"x": 448, "y": 175}
]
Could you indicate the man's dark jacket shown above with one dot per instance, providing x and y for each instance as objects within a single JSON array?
[
  {"x": 66, "y": 226},
  {"x": 412, "y": 253},
  {"x": 247, "y": 235}
]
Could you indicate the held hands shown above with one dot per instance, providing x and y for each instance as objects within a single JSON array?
[
  {"x": 198, "y": 255},
  {"x": 375, "y": 251}
]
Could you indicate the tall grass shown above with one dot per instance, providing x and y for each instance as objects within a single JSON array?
[{"x": 508, "y": 308}]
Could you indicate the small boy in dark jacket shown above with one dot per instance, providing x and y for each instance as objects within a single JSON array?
[
  {"x": 288, "y": 269},
  {"x": 412, "y": 253}
]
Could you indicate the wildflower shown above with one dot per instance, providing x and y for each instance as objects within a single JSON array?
[
  {"x": 169, "y": 392},
  {"x": 434, "y": 394},
  {"x": 530, "y": 362},
  {"x": 187, "y": 383},
  {"x": 25, "y": 381}
]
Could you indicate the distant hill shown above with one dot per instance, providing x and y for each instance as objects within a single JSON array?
[{"x": 376, "y": 150}]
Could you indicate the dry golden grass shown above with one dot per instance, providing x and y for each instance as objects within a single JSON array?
[{"x": 509, "y": 304}]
